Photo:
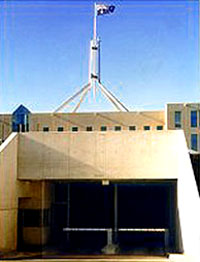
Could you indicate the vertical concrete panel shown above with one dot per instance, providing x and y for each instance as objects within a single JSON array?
[
  {"x": 8, "y": 193},
  {"x": 101, "y": 164},
  {"x": 189, "y": 206},
  {"x": 35, "y": 195},
  {"x": 8, "y": 229},
  {"x": 114, "y": 149},
  {"x": 82, "y": 155}
]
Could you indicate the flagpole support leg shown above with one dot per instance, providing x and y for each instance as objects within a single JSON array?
[{"x": 65, "y": 103}]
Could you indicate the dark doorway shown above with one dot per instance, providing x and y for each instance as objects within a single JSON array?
[
  {"x": 140, "y": 216},
  {"x": 81, "y": 206},
  {"x": 147, "y": 212}
]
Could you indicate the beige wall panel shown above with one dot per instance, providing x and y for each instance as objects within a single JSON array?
[
  {"x": 54, "y": 155},
  {"x": 144, "y": 155},
  {"x": 100, "y": 158},
  {"x": 86, "y": 155},
  {"x": 36, "y": 158},
  {"x": 98, "y": 119},
  {"x": 35, "y": 235},
  {"x": 115, "y": 155},
  {"x": 8, "y": 229},
  {"x": 37, "y": 193},
  {"x": 47, "y": 156},
  {"x": 8, "y": 193},
  {"x": 185, "y": 109},
  {"x": 5, "y": 126},
  {"x": 82, "y": 155},
  {"x": 8, "y": 173},
  {"x": 82, "y": 120}
]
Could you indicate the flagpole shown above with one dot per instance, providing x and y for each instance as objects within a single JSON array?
[
  {"x": 95, "y": 24},
  {"x": 95, "y": 44},
  {"x": 94, "y": 68}
]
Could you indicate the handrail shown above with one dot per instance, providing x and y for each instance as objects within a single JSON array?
[{"x": 119, "y": 229}]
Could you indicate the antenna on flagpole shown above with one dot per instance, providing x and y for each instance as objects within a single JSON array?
[{"x": 94, "y": 81}]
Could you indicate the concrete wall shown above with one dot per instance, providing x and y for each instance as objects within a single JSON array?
[
  {"x": 82, "y": 120},
  {"x": 97, "y": 155},
  {"x": 8, "y": 193},
  {"x": 185, "y": 109},
  {"x": 5, "y": 126},
  {"x": 110, "y": 119},
  {"x": 123, "y": 155},
  {"x": 93, "y": 155},
  {"x": 188, "y": 207},
  {"x": 36, "y": 195},
  {"x": 96, "y": 120}
]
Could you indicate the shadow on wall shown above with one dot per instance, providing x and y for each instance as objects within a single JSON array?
[{"x": 36, "y": 160}]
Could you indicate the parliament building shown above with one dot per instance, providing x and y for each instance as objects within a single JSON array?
[{"x": 101, "y": 183}]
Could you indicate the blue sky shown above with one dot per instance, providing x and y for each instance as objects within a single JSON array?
[{"x": 149, "y": 54}]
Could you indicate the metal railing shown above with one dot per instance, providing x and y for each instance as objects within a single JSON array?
[{"x": 110, "y": 232}]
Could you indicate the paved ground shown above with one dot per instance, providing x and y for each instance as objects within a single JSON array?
[
  {"x": 134, "y": 259},
  {"x": 53, "y": 257}
]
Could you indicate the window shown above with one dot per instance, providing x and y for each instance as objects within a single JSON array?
[
  {"x": 20, "y": 119},
  {"x": 103, "y": 128},
  {"x": 177, "y": 121},
  {"x": 199, "y": 118},
  {"x": 74, "y": 129},
  {"x": 46, "y": 129},
  {"x": 89, "y": 128},
  {"x": 146, "y": 128},
  {"x": 132, "y": 128},
  {"x": 118, "y": 128},
  {"x": 60, "y": 129},
  {"x": 159, "y": 127},
  {"x": 194, "y": 142},
  {"x": 193, "y": 118}
]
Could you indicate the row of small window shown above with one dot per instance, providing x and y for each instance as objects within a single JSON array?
[
  {"x": 102, "y": 128},
  {"x": 193, "y": 119}
]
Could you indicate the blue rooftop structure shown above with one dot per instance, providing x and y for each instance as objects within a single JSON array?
[{"x": 20, "y": 119}]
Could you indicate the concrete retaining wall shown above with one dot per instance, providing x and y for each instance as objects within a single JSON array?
[
  {"x": 97, "y": 155},
  {"x": 8, "y": 193}
]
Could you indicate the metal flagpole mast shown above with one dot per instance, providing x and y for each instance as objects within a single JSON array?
[
  {"x": 95, "y": 23},
  {"x": 99, "y": 60},
  {"x": 94, "y": 68},
  {"x": 94, "y": 54}
]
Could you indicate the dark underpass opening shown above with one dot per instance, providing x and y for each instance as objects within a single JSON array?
[{"x": 116, "y": 218}]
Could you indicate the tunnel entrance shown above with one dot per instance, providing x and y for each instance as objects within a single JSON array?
[
  {"x": 77, "y": 208},
  {"x": 122, "y": 218}
]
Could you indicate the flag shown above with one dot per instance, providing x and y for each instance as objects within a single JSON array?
[{"x": 104, "y": 9}]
